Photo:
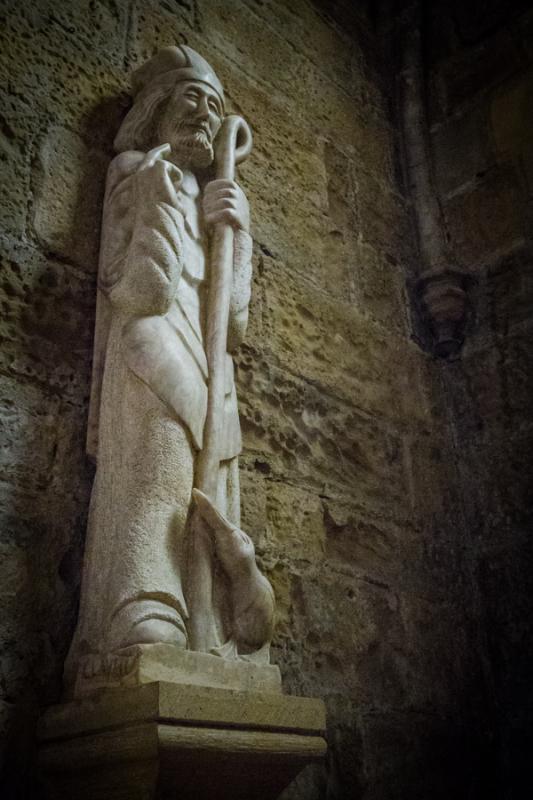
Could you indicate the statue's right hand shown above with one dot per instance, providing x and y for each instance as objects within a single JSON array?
[
  {"x": 172, "y": 174},
  {"x": 156, "y": 154}
]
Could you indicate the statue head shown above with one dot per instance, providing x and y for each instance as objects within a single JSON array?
[{"x": 177, "y": 99}]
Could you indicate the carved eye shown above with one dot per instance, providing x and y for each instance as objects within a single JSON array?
[{"x": 213, "y": 106}]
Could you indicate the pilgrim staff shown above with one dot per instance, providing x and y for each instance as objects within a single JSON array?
[{"x": 202, "y": 626}]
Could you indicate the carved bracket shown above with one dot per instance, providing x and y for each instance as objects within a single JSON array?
[{"x": 442, "y": 295}]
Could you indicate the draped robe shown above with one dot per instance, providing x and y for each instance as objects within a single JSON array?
[{"x": 149, "y": 400}]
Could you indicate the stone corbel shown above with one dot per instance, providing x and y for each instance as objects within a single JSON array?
[
  {"x": 443, "y": 300},
  {"x": 440, "y": 284},
  {"x": 162, "y": 739}
]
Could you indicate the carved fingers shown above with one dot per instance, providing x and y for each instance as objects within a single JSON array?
[
  {"x": 156, "y": 154},
  {"x": 159, "y": 155},
  {"x": 224, "y": 201}
]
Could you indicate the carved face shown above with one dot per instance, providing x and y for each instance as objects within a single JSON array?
[{"x": 190, "y": 122}]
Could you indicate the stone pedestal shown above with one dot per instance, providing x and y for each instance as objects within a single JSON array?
[
  {"x": 173, "y": 740},
  {"x": 133, "y": 666}
]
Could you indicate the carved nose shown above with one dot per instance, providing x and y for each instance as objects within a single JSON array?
[{"x": 203, "y": 109}]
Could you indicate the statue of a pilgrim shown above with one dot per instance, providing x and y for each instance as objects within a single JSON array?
[{"x": 151, "y": 379}]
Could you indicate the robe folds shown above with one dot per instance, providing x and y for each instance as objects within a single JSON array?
[{"x": 149, "y": 399}]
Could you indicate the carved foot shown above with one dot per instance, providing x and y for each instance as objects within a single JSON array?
[
  {"x": 251, "y": 593},
  {"x": 147, "y": 622},
  {"x": 155, "y": 631}
]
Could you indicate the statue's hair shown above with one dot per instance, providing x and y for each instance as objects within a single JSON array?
[{"x": 138, "y": 129}]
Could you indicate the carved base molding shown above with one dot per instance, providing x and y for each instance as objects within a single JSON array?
[
  {"x": 146, "y": 663},
  {"x": 168, "y": 740}
]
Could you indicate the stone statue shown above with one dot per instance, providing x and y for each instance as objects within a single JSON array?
[{"x": 165, "y": 559}]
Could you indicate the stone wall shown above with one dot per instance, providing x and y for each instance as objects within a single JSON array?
[
  {"x": 349, "y": 477},
  {"x": 481, "y": 72}
]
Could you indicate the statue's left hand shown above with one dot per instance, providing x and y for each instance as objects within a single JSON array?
[{"x": 224, "y": 201}]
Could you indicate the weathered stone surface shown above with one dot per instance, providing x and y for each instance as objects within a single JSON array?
[
  {"x": 502, "y": 297},
  {"x": 331, "y": 338},
  {"x": 305, "y": 448},
  {"x": 461, "y": 149},
  {"x": 76, "y": 51},
  {"x": 15, "y": 144},
  {"x": 328, "y": 48},
  {"x": 154, "y": 25},
  {"x": 379, "y": 287},
  {"x": 486, "y": 220},
  {"x": 68, "y": 194},
  {"x": 471, "y": 71},
  {"x": 512, "y": 121},
  {"x": 47, "y": 322}
]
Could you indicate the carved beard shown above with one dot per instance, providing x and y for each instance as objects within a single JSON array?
[{"x": 190, "y": 145}]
